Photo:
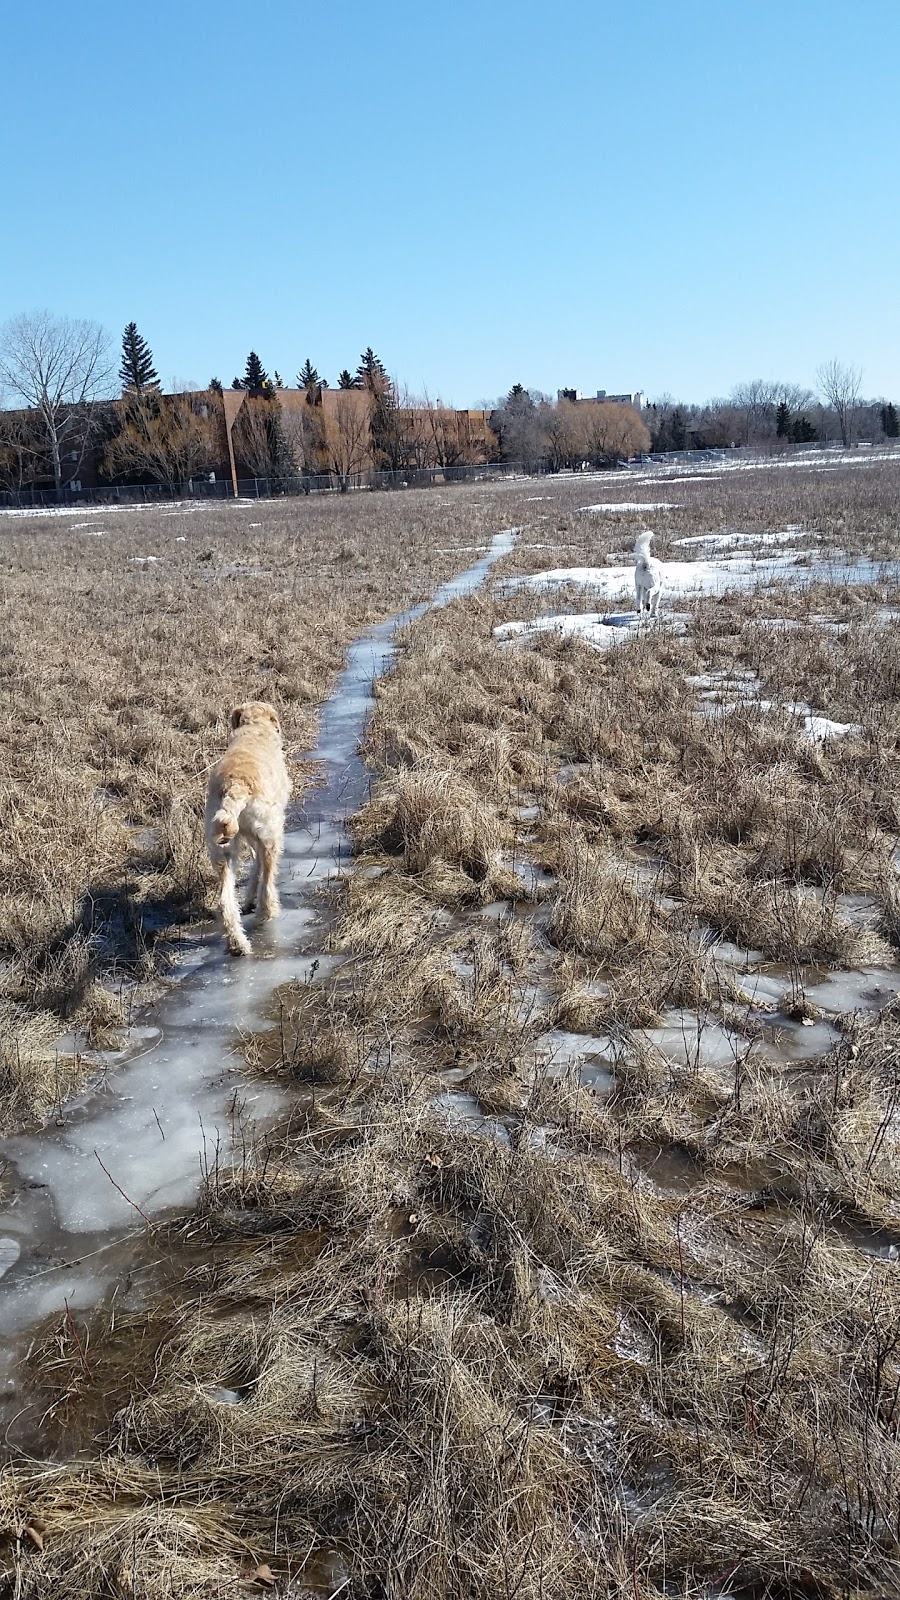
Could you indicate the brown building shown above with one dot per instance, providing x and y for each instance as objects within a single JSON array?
[{"x": 328, "y": 434}]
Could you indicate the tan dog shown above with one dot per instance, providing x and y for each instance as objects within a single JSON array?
[{"x": 249, "y": 788}]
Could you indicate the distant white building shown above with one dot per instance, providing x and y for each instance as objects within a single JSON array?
[{"x": 637, "y": 399}]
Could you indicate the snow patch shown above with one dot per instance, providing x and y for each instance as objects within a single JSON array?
[
  {"x": 729, "y": 541},
  {"x": 820, "y": 729},
  {"x": 632, "y": 505},
  {"x": 592, "y": 626}
]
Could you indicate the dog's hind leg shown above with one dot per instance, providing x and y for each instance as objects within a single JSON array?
[
  {"x": 654, "y": 602},
  {"x": 268, "y": 902},
  {"x": 252, "y": 889},
  {"x": 238, "y": 943}
]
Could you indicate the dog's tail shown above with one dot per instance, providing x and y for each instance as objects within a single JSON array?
[
  {"x": 226, "y": 821},
  {"x": 642, "y": 545}
]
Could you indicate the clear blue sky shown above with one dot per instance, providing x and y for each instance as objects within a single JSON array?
[{"x": 673, "y": 197}]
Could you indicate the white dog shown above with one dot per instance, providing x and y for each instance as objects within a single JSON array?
[
  {"x": 647, "y": 576},
  {"x": 249, "y": 788}
]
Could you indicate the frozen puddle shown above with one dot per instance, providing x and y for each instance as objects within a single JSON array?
[
  {"x": 869, "y": 989},
  {"x": 137, "y": 1143},
  {"x": 462, "y": 1113},
  {"x": 594, "y": 1055},
  {"x": 697, "y": 1042}
]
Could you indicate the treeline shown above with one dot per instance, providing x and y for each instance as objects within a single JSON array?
[
  {"x": 73, "y": 410},
  {"x": 768, "y": 414},
  {"x": 66, "y": 424}
]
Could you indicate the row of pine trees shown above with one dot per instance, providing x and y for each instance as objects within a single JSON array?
[
  {"x": 157, "y": 430},
  {"x": 139, "y": 376}
]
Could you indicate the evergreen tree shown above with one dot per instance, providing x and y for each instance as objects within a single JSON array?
[
  {"x": 803, "y": 432},
  {"x": 890, "y": 421},
  {"x": 279, "y": 381},
  {"x": 346, "y": 380},
  {"x": 215, "y": 385},
  {"x": 783, "y": 420},
  {"x": 137, "y": 371},
  {"x": 308, "y": 377},
  {"x": 371, "y": 373},
  {"x": 677, "y": 430},
  {"x": 256, "y": 380},
  {"x": 659, "y": 432}
]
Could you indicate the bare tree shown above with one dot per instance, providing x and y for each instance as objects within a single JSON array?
[
  {"x": 168, "y": 438},
  {"x": 304, "y": 432},
  {"x": 566, "y": 434},
  {"x": 59, "y": 367},
  {"x": 261, "y": 442},
  {"x": 23, "y": 450},
  {"x": 347, "y": 435},
  {"x": 756, "y": 403},
  {"x": 840, "y": 386},
  {"x": 795, "y": 396},
  {"x": 612, "y": 431},
  {"x": 450, "y": 439},
  {"x": 414, "y": 424}
]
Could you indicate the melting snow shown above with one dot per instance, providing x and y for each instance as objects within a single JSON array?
[
  {"x": 820, "y": 729},
  {"x": 727, "y": 541},
  {"x": 632, "y": 505},
  {"x": 679, "y": 577},
  {"x": 592, "y": 626}
]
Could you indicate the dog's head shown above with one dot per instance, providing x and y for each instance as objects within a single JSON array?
[{"x": 256, "y": 713}]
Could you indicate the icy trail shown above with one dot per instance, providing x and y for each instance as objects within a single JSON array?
[{"x": 151, "y": 1125}]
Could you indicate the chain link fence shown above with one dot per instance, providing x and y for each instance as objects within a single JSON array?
[{"x": 203, "y": 488}]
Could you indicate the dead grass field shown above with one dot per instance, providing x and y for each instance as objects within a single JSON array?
[
  {"x": 128, "y": 635},
  {"x": 574, "y": 1271}
]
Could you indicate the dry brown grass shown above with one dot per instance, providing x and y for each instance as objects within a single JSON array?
[
  {"x": 546, "y": 1340},
  {"x": 117, "y": 675}
]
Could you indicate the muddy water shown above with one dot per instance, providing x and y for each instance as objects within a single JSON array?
[{"x": 80, "y": 1195}]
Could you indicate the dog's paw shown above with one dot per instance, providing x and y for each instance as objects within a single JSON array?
[{"x": 240, "y": 947}]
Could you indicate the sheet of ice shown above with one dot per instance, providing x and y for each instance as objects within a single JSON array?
[
  {"x": 137, "y": 1142},
  {"x": 789, "y": 1042},
  {"x": 866, "y": 990},
  {"x": 596, "y": 1055},
  {"x": 534, "y": 879},
  {"x": 10, "y": 1251},
  {"x": 724, "y": 692},
  {"x": 734, "y": 955},
  {"x": 696, "y": 1041},
  {"x": 461, "y": 1110},
  {"x": 764, "y": 989}
]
